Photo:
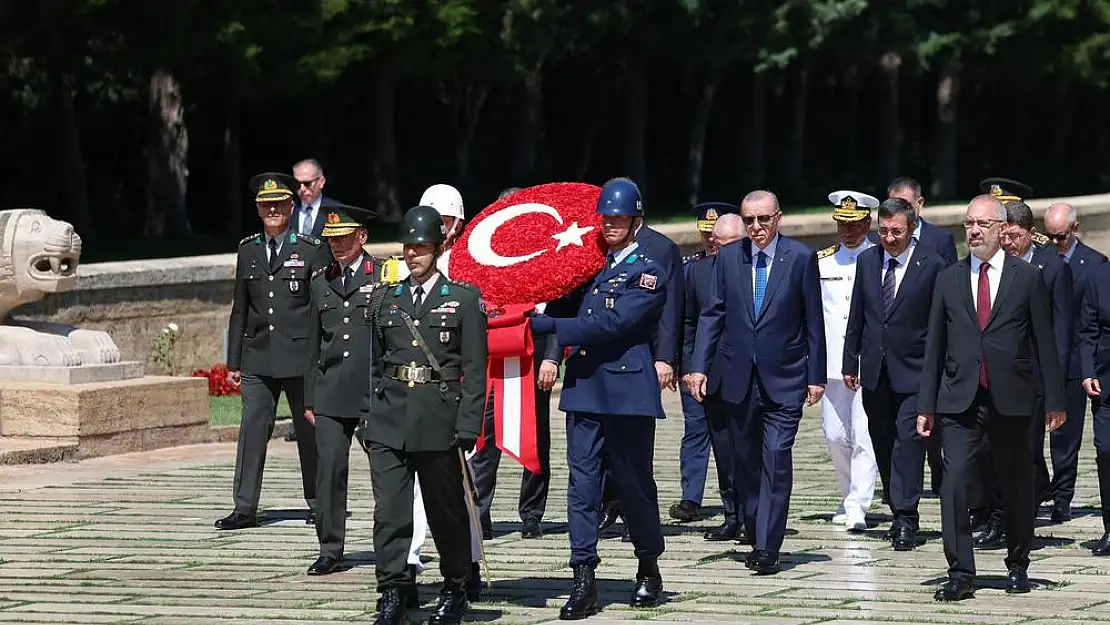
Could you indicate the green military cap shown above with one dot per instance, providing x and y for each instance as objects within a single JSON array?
[
  {"x": 1005, "y": 189},
  {"x": 273, "y": 187},
  {"x": 422, "y": 224},
  {"x": 343, "y": 219}
]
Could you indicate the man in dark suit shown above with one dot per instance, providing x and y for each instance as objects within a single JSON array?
[
  {"x": 884, "y": 350},
  {"x": 1094, "y": 353},
  {"x": 309, "y": 219},
  {"x": 1061, "y": 224},
  {"x": 767, "y": 299},
  {"x": 268, "y": 342},
  {"x": 989, "y": 314}
]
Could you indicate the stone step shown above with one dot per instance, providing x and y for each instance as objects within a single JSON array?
[{"x": 36, "y": 450}]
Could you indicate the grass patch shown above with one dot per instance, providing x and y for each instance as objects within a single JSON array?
[{"x": 227, "y": 410}]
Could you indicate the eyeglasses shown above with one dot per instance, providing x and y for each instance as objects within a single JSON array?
[
  {"x": 763, "y": 219},
  {"x": 894, "y": 232},
  {"x": 308, "y": 183},
  {"x": 984, "y": 224}
]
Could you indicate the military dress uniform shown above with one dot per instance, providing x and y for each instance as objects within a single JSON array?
[
  {"x": 428, "y": 391},
  {"x": 269, "y": 343},
  {"x": 843, "y": 418}
]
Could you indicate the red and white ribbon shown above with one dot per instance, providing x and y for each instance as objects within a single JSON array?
[{"x": 510, "y": 376}]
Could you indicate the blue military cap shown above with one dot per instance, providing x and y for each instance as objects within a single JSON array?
[
  {"x": 708, "y": 212},
  {"x": 620, "y": 197}
]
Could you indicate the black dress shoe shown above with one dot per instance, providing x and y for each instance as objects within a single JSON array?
[
  {"x": 391, "y": 608},
  {"x": 953, "y": 590},
  {"x": 310, "y": 518},
  {"x": 685, "y": 511},
  {"x": 473, "y": 586},
  {"x": 236, "y": 521},
  {"x": 649, "y": 585},
  {"x": 1102, "y": 547},
  {"x": 1061, "y": 512},
  {"x": 609, "y": 516},
  {"x": 451, "y": 607},
  {"x": 890, "y": 532},
  {"x": 979, "y": 520},
  {"x": 763, "y": 562},
  {"x": 582, "y": 602},
  {"x": 1017, "y": 582},
  {"x": 905, "y": 539},
  {"x": 325, "y": 565},
  {"x": 729, "y": 530},
  {"x": 531, "y": 528},
  {"x": 993, "y": 536},
  {"x": 291, "y": 437}
]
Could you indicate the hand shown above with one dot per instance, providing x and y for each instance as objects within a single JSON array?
[
  {"x": 549, "y": 372},
  {"x": 1093, "y": 387},
  {"x": 465, "y": 442},
  {"x": 1055, "y": 420},
  {"x": 310, "y": 416},
  {"x": 852, "y": 382},
  {"x": 813, "y": 394},
  {"x": 665, "y": 372},
  {"x": 542, "y": 324},
  {"x": 234, "y": 378},
  {"x": 695, "y": 383},
  {"x": 925, "y": 425}
]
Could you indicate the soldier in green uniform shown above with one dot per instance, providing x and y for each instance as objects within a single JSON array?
[
  {"x": 268, "y": 342},
  {"x": 337, "y": 387},
  {"x": 428, "y": 381}
]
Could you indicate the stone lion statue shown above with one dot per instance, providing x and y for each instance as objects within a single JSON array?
[{"x": 39, "y": 255}]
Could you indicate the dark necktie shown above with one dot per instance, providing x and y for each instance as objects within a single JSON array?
[
  {"x": 419, "y": 297},
  {"x": 348, "y": 275},
  {"x": 1064, "y": 257},
  {"x": 983, "y": 311},
  {"x": 273, "y": 255},
  {"x": 889, "y": 286},
  {"x": 760, "y": 282}
]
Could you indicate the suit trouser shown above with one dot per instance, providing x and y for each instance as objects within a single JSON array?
[
  {"x": 260, "y": 397},
  {"x": 1066, "y": 442},
  {"x": 421, "y": 524},
  {"x": 844, "y": 422},
  {"x": 693, "y": 455},
  {"x": 628, "y": 444},
  {"x": 892, "y": 422},
  {"x": 393, "y": 473},
  {"x": 1102, "y": 460},
  {"x": 960, "y": 437},
  {"x": 988, "y": 479},
  {"x": 721, "y": 443},
  {"x": 532, "y": 502},
  {"x": 333, "y": 448},
  {"x": 763, "y": 434}
]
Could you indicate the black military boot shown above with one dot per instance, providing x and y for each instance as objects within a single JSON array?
[
  {"x": 451, "y": 607},
  {"x": 994, "y": 536},
  {"x": 583, "y": 596},
  {"x": 649, "y": 585},
  {"x": 412, "y": 597},
  {"x": 474, "y": 584},
  {"x": 391, "y": 608}
]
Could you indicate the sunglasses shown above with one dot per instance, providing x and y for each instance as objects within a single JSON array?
[
  {"x": 763, "y": 219},
  {"x": 1057, "y": 238},
  {"x": 308, "y": 183}
]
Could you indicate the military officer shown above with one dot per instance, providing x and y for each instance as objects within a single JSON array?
[
  {"x": 843, "y": 418},
  {"x": 268, "y": 347},
  {"x": 428, "y": 391},
  {"x": 337, "y": 387},
  {"x": 612, "y": 399}
]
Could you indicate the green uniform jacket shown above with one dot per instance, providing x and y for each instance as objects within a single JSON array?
[
  {"x": 270, "y": 322},
  {"x": 338, "y": 385},
  {"x": 427, "y": 417}
]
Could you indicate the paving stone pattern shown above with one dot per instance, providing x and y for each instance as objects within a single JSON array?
[{"x": 129, "y": 539}]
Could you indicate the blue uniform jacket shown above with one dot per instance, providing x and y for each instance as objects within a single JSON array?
[
  {"x": 667, "y": 344},
  {"x": 611, "y": 367}
]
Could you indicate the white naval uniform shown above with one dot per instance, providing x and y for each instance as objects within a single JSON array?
[
  {"x": 842, "y": 416},
  {"x": 419, "y": 517}
]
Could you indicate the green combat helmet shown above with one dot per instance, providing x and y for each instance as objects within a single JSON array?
[{"x": 422, "y": 224}]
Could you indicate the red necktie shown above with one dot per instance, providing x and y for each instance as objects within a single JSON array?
[{"x": 983, "y": 311}]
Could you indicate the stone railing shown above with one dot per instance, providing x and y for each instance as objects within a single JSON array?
[{"x": 134, "y": 300}]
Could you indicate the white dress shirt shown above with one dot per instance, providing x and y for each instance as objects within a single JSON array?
[
  {"x": 994, "y": 275},
  {"x": 770, "y": 252},
  {"x": 900, "y": 268}
]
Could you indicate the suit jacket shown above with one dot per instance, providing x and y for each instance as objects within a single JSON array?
[
  {"x": 1084, "y": 263},
  {"x": 1020, "y": 324},
  {"x": 1058, "y": 279},
  {"x": 933, "y": 238},
  {"x": 786, "y": 341},
  {"x": 427, "y": 417},
  {"x": 321, "y": 216},
  {"x": 271, "y": 311},
  {"x": 667, "y": 345},
  {"x": 874, "y": 339},
  {"x": 699, "y": 282},
  {"x": 1094, "y": 328}
]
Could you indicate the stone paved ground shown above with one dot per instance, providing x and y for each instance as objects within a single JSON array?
[{"x": 130, "y": 540}]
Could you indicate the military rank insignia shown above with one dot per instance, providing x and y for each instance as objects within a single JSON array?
[
  {"x": 648, "y": 281},
  {"x": 294, "y": 286},
  {"x": 610, "y": 302},
  {"x": 445, "y": 337}
]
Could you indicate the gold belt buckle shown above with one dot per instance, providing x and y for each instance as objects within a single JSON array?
[{"x": 414, "y": 375}]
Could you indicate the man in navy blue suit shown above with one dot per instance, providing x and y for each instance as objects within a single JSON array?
[
  {"x": 884, "y": 351},
  {"x": 1094, "y": 355},
  {"x": 611, "y": 397},
  {"x": 308, "y": 218},
  {"x": 1061, "y": 223},
  {"x": 767, "y": 297}
]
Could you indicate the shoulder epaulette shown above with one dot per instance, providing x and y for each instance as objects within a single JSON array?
[
  {"x": 693, "y": 257},
  {"x": 317, "y": 272},
  {"x": 309, "y": 239},
  {"x": 1039, "y": 238},
  {"x": 249, "y": 238},
  {"x": 828, "y": 251},
  {"x": 466, "y": 285}
]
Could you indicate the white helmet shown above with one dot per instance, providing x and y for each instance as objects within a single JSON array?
[{"x": 445, "y": 199}]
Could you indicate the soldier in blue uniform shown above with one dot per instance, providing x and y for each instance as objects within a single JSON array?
[{"x": 611, "y": 397}]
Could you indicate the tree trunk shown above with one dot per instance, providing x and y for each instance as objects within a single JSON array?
[
  {"x": 233, "y": 168},
  {"x": 948, "y": 90},
  {"x": 531, "y": 123},
  {"x": 75, "y": 192},
  {"x": 756, "y": 131},
  {"x": 796, "y": 164},
  {"x": 699, "y": 126},
  {"x": 1061, "y": 135},
  {"x": 851, "y": 131},
  {"x": 472, "y": 101},
  {"x": 591, "y": 131},
  {"x": 167, "y": 158},
  {"x": 890, "y": 62},
  {"x": 385, "y": 153},
  {"x": 635, "y": 121}
]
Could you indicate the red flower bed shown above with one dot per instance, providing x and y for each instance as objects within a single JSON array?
[{"x": 218, "y": 386}]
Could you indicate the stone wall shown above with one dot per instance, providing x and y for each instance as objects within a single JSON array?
[{"x": 134, "y": 300}]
